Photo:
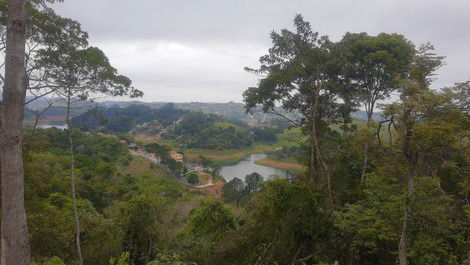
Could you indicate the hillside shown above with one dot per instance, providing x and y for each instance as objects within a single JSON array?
[{"x": 128, "y": 118}]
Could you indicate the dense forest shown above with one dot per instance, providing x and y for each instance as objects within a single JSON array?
[
  {"x": 209, "y": 131},
  {"x": 126, "y": 119},
  {"x": 394, "y": 190},
  {"x": 186, "y": 128},
  {"x": 118, "y": 210}
]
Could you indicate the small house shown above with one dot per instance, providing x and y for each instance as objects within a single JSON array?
[{"x": 176, "y": 156}]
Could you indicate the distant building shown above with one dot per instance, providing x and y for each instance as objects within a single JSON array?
[
  {"x": 195, "y": 167},
  {"x": 176, "y": 156},
  {"x": 140, "y": 149}
]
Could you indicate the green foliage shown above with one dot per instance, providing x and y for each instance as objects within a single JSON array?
[
  {"x": 206, "y": 162},
  {"x": 199, "y": 130},
  {"x": 283, "y": 219},
  {"x": 193, "y": 178},
  {"x": 233, "y": 191},
  {"x": 211, "y": 218},
  {"x": 372, "y": 225},
  {"x": 207, "y": 225},
  {"x": 128, "y": 118},
  {"x": 113, "y": 208},
  {"x": 55, "y": 261},
  {"x": 139, "y": 219},
  {"x": 164, "y": 153},
  {"x": 253, "y": 182},
  {"x": 122, "y": 260},
  {"x": 172, "y": 259},
  {"x": 374, "y": 64},
  {"x": 416, "y": 188},
  {"x": 265, "y": 134}
]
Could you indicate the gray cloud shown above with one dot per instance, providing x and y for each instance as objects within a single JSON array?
[{"x": 188, "y": 50}]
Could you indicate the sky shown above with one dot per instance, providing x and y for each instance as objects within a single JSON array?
[{"x": 195, "y": 50}]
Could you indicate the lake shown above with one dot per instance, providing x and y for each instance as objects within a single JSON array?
[
  {"x": 48, "y": 126},
  {"x": 248, "y": 166}
]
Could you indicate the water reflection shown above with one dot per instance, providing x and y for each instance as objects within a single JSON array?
[{"x": 248, "y": 166}]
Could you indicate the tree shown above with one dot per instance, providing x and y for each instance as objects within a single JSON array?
[
  {"x": 286, "y": 224},
  {"x": 413, "y": 90},
  {"x": 205, "y": 162},
  {"x": 140, "y": 218},
  {"x": 193, "y": 178},
  {"x": 212, "y": 217},
  {"x": 45, "y": 32},
  {"x": 207, "y": 225},
  {"x": 253, "y": 182},
  {"x": 14, "y": 238},
  {"x": 373, "y": 64},
  {"x": 233, "y": 191},
  {"x": 81, "y": 72},
  {"x": 215, "y": 170},
  {"x": 300, "y": 73}
]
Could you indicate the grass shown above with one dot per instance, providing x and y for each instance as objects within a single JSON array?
[
  {"x": 153, "y": 178},
  {"x": 228, "y": 156},
  {"x": 142, "y": 166},
  {"x": 226, "y": 124},
  {"x": 144, "y": 139},
  {"x": 279, "y": 164}
]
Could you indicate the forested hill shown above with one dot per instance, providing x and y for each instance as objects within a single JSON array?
[
  {"x": 209, "y": 131},
  {"x": 128, "y": 118},
  {"x": 112, "y": 111},
  {"x": 229, "y": 110},
  {"x": 186, "y": 128}
]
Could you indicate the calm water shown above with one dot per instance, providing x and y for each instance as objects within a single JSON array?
[
  {"x": 48, "y": 126},
  {"x": 248, "y": 166}
]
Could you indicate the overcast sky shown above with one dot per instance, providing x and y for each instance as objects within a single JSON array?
[{"x": 195, "y": 50}]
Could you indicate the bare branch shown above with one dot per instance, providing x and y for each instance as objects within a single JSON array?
[{"x": 274, "y": 112}]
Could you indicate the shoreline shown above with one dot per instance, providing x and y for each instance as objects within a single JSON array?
[
  {"x": 227, "y": 157},
  {"x": 279, "y": 164}
]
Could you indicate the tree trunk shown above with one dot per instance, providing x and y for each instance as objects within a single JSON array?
[
  {"x": 402, "y": 256},
  {"x": 366, "y": 162},
  {"x": 313, "y": 173},
  {"x": 411, "y": 157},
  {"x": 322, "y": 168},
  {"x": 402, "y": 246},
  {"x": 366, "y": 147},
  {"x": 14, "y": 231},
  {"x": 72, "y": 183}
]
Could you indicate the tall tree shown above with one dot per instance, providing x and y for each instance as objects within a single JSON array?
[
  {"x": 253, "y": 182},
  {"x": 79, "y": 72},
  {"x": 373, "y": 64},
  {"x": 413, "y": 90},
  {"x": 46, "y": 32},
  {"x": 300, "y": 73},
  {"x": 232, "y": 191},
  {"x": 82, "y": 73},
  {"x": 14, "y": 239}
]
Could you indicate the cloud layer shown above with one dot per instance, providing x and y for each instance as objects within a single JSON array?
[{"x": 182, "y": 50}]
